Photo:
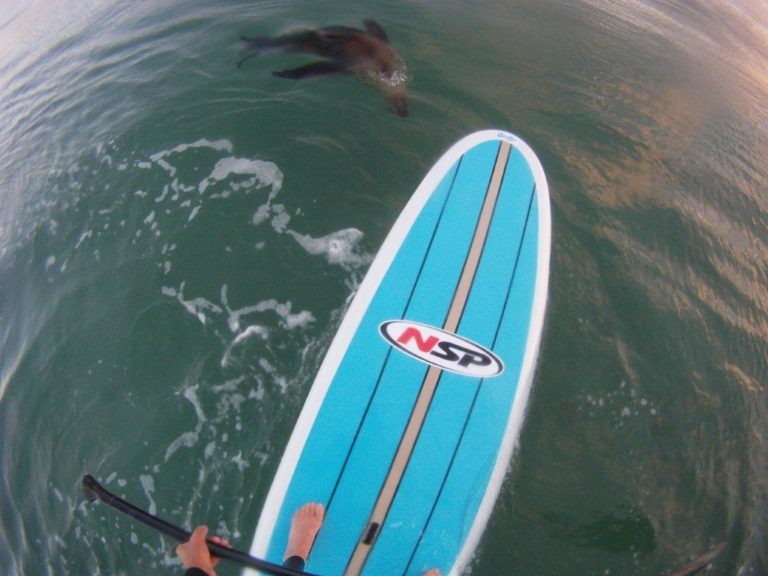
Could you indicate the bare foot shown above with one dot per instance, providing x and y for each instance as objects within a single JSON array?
[
  {"x": 305, "y": 525},
  {"x": 433, "y": 572}
]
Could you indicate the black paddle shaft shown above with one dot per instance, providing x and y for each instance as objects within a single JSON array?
[{"x": 95, "y": 491}]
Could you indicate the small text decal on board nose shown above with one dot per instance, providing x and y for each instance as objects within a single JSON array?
[{"x": 442, "y": 349}]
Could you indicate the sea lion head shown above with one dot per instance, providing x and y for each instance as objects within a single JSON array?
[
  {"x": 398, "y": 98},
  {"x": 390, "y": 77}
]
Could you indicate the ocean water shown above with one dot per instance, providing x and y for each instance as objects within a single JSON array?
[{"x": 180, "y": 237}]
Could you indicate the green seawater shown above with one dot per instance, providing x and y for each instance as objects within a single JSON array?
[{"x": 180, "y": 238}]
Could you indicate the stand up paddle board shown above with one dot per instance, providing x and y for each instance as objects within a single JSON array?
[{"x": 410, "y": 424}]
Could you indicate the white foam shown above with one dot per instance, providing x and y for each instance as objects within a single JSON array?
[
  {"x": 210, "y": 449},
  {"x": 264, "y": 363},
  {"x": 164, "y": 193},
  {"x": 279, "y": 380},
  {"x": 192, "y": 215},
  {"x": 228, "y": 386},
  {"x": 166, "y": 166},
  {"x": 177, "y": 187},
  {"x": 148, "y": 483},
  {"x": 83, "y": 237},
  {"x": 267, "y": 173},
  {"x": 221, "y": 145},
  {"x": 283, "y": 310},
  {"x": 195, "y": 306},
  {"x": 228, "y": 401},
  {"x": 223, "y": 296},
  {"x": 624, "y": 402},
  {"x": 238, "y": 461},
  {"x": 261, "y": 214},
  {"x": 300, "y": 320},
  {"x": 254, "y": 330},
  {"x": 188, "y": 439},
  {"x": 338, "y": 247},
  {"x": 280, "y": 219}
]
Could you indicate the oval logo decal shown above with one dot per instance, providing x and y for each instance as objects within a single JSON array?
[{"x": 442, "y": 349}]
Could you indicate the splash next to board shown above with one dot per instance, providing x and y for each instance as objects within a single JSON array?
[{"x": 443, "y": 349}]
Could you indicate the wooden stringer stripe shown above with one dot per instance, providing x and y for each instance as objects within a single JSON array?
[{"x": 429, "y": 386}]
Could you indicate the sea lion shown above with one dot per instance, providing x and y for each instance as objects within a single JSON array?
[{"x": 366, "y": 54}]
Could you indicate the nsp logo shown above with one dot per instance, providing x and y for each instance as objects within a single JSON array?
[{"x": 442, "y": 349}]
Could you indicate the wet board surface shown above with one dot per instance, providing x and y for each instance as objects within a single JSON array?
[{"x": 409, "y": 427}]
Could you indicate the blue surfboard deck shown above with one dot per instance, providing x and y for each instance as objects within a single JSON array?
[{"x": 409, "y": 427}]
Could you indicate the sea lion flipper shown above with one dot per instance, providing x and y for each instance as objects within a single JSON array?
[
  {"x": 314, "y": 69},
  {"x": 260, "y": 44},
  {"x": 255, "y": 45},
  {"x": 374, "y": 29}
]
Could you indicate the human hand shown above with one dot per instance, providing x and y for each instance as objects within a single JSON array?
[{"x": 195, "y": 553}]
